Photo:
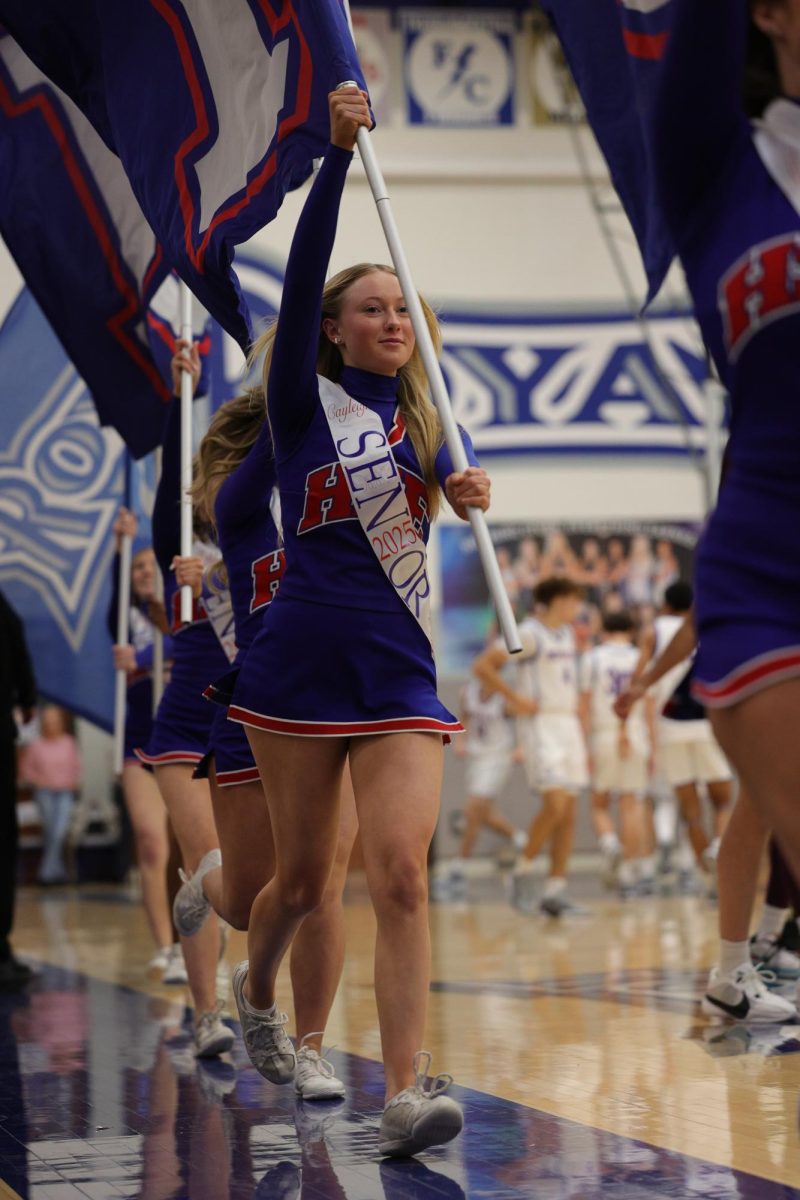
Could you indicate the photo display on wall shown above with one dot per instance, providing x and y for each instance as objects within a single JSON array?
[{"x": 621, "y": 565}]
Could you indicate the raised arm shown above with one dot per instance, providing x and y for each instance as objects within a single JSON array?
[
  {"x": 292, "y": 393},
  {"x": 698, "y": 113}
]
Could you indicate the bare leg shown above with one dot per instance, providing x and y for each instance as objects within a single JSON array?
[
  {"x": 148, "y": 818},
  {"x": 189, "y": 806},
  {"x": 759, "y": 736},
  {"x": 602, "y": 821},
  {"x": 494, "y": 820},
  {"x": 475, "y": 811},
  {"x": 689, "y": 803},
  {"x": 242, "y": 821},
  {"x": 737, "y": 868},
  {"x": 397, "y": 780},
  {"x": 720, "y": 794},
  {"x": 633, "y": 826},
  {"x": 563, "y": 838},
  {"x": 555, "y": 805},
  {"x": 317, "y": 954},
  {"x": 303, "y": 778}
]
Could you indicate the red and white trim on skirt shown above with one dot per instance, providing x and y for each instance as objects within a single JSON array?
[
  {"x": 753, "y": 676},
  {"x": 242, "y": 775},
  {"x": 342, "y": 728},
  {"x": 169, "y": 758}
]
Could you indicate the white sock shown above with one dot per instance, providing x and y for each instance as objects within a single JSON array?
[
  {"x": 519, "y": 838},
  {"x": 554, "y": 886},
  {"x": 733, "y": 955},
  {"x": 771, "y": 924},
  {"x": 647, "y": 866},
  {"x": 609, "y": 843},
  {"x": 627, "y": 872},
  {"x": 524, "y": 867}
]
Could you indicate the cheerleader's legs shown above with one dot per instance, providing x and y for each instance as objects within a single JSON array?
[
  {"x": 189, "y": 806},
  {"x": 759, "y": 736},
  {"x": 304, "y": 778},
  {"x": 740, "y": 852},
  {"x": 397, "y": 780},
  {"x": 149, "y": 824},
  {"x": 241, "y": 818}
]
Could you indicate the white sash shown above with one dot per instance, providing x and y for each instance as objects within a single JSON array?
[
  {"x": 217, "y": 603},
  {"x": 378, "y": 496},
  {"x": 777, "y": 140}
]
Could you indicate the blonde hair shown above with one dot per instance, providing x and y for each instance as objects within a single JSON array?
[
  {"x": 231, "y": 433},
  {"x": 233, "y": 429},
  {"x": 418, "y": 412}
]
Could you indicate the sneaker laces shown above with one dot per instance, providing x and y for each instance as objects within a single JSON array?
[
  {"x": 321, "y": 1064},
  {"x": 261, "y": 1036},
  {"x": 439, "y": 1084},
  {"x": 757, "y": 976},
  {"x": 210, "y": 1015}
]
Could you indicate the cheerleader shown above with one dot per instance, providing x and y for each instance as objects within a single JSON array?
[
  {"x": 343, "y": 664},
  {"x": 181, "y": 728},
  {"x": 143, "y": 801},
  {"x": 234, "y": 491},
  {"x": 730, "y": 195}
]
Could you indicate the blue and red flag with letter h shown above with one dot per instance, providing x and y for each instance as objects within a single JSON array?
[
  {"x": 613, "y": 48},
  {"x": 215, "y": 111}
]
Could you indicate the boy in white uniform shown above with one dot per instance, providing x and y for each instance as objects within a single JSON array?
[
  {"x": 621, "y": 752},
  {"x": 688, "y": 753},
  {"x": 551, "y": 736},
  {"x": 489, "y": 749}
]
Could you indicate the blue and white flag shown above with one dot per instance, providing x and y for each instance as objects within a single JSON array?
[
  {"x": 613, "y": 48},
  {"x": 60, "y": 488},
  {"x": 70, "y": 220},
  {"x": 215, "y": 113}
]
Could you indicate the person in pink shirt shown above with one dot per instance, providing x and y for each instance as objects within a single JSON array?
[{"x": 52, "y": 765}]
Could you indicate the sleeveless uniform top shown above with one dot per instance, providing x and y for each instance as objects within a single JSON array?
[
  {"x": 548, "y": 666},
  {"x": 489, "y": 730},
  {"x": 606, "y": 671}
]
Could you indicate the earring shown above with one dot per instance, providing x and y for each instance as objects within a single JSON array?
[{"x": 338, "y": 340}]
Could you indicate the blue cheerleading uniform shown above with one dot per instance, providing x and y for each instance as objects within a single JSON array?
[
  {"x": 139, "y": 695},
  {"x": 182, "y": 723},
  {"x": 249, "y": 544},
  {"x": 738, "y": 236},
  {"x": 338, "y": 653}
]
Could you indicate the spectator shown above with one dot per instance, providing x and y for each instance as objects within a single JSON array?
[
  {"x": 52, "y": 765},
  {"x": 17, "y": 691}
]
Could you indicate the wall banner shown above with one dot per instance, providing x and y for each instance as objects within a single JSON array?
[{"x": 459, "y": 68}]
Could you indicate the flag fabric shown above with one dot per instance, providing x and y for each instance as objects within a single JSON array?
[
  {"x": 613, "y": 48},
  {"x": 214, "y": 116},
  {"x": 71, "y": 222},
  {"x": 61, "y": 482}
]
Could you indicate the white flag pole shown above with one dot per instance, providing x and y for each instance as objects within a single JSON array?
[
  {"x": 158, "y": 637},
  {"x": 452, "y": 436},
  {"x": 187, "y": 391},
  {"x": 123, "y": 639}
]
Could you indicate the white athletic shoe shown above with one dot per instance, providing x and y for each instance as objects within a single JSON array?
[
  {"x": 160, "y": 961},
  {"x": 190, "y": 907},
  {"x": 175, "y": 971},
  {"x": 742, "y": 996},
  {"x": 523, "y": 891},
  {"x": 266, "y": 1042},
  {"x": 415, "y": 1119},
  {"x": 768, "y": 952},
  {"x": 211, "y": 1036},
  {"x": 314, "y": 1076}
]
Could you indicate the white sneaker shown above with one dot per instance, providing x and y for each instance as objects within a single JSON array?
[
  {"x": 175, "y": 971},
  {"x": 314, "y": 1076},
  {"x": 415, "y": 1119},
  {"x": 190, "y": 907},
  {"x": 768, "y": 952},
  {"x": 523, "y": 891},
  {"x": 211, "y": 1036},
  {"x": 742, "y": 996},
  {"x": 266, "y": 1042},
  {"x": 160, "y": 961}
]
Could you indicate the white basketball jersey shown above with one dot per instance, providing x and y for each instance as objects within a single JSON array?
[
  {"x": 548, "y": 666},
  {"x": 665, "y": 629},
  {"x": 489, "y": 730},
  {"x": 606, "y": 672}
]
